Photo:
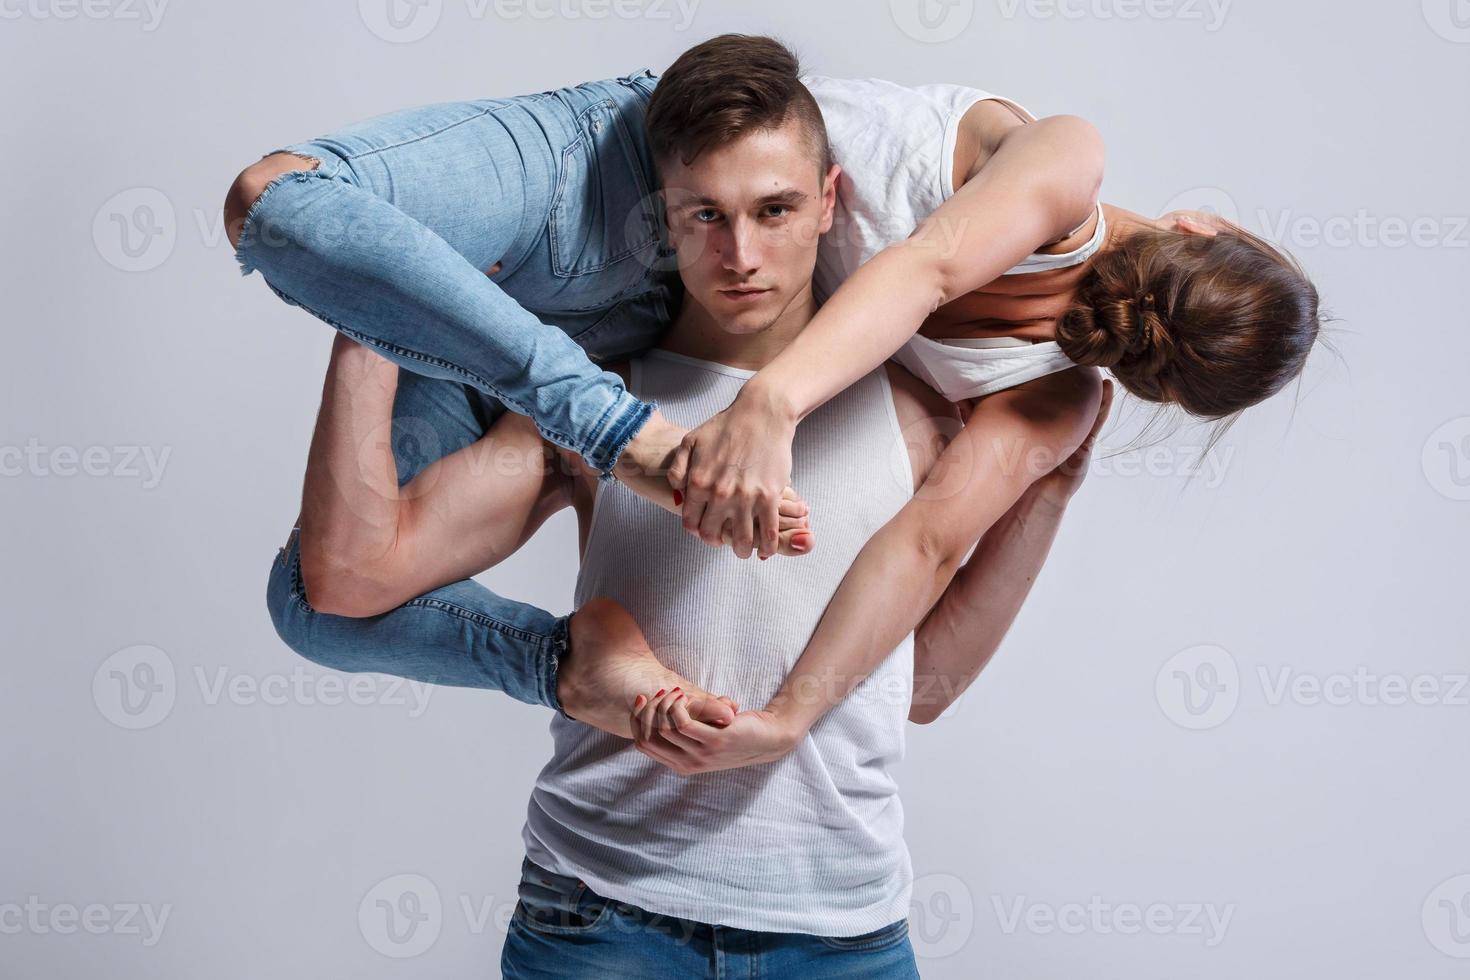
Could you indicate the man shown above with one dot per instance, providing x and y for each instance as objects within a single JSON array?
[
  {"x": 793, "y": 866},
  {"x": 501, "y": 250}
]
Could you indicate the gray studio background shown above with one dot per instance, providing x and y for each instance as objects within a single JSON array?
[{"x": 1227, "y": 736}]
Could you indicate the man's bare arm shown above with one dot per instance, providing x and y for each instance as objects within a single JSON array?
[
  {"x": 964, "y": 629},
  {"x": 905, "y": 569},
  {"x": 368, "y": 545}
]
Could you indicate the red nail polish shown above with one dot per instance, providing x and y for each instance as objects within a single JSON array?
[
  {"x": 660, "y": 692},
  {"x": 678, "y": 689},
  {"x": 678, "y": 499},
  {"x": 764, "y": 557}
]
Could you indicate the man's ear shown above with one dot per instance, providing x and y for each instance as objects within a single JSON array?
[{"x": 829, "y": 197}]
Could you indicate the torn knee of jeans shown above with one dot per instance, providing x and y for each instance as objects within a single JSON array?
[{"x": 251, "y": 219}]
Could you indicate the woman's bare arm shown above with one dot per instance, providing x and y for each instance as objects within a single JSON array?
[
  {"x": 1011, "y": 439},
  {"x": 1042, "y": 179}
]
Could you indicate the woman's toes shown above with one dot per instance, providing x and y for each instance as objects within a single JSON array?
[{"x": 797, "y": 541}]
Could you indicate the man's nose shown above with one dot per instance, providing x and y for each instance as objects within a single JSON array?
[{"x": 742, "y": 252}]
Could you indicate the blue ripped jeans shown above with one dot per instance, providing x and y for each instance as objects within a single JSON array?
[
  {"x": 390, "y": 239},
  {"x": 562, "y": 930}
]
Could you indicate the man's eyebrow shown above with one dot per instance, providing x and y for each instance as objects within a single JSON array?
[{"x": 789, "y": 196}]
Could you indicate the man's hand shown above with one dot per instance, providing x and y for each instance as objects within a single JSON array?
[
  {"x": 664, "y": 731},
  {"x": 733, "y": 468},
  {"x": 1058, "y": 486}
]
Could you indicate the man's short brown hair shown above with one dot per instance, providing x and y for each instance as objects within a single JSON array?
[{"x": 728, "y": 86}]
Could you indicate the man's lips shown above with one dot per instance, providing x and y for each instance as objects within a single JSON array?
[{"x": 743, "y": 293}]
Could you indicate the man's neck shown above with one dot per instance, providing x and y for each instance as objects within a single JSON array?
[{"x": 696, "y": 333}]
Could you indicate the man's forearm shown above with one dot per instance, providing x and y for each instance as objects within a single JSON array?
[
  {"x": 966, "y": 626},
  {"x": 350, "y": 502}
]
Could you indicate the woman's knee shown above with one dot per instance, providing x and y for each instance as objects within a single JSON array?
[{"x": 252, "y": 183}]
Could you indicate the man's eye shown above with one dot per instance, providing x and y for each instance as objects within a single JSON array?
[
  {"x": 706, "y": 215},
  {"x": 783, "y": 209}
]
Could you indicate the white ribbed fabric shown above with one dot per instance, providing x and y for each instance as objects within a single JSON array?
[
  {"x": 972, "y": 367},
  {"x": 896, "y": 148},
  {"x": 812, "y": 843}
]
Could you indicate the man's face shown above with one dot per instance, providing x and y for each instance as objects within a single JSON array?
[{"x": 744, "y": 220}]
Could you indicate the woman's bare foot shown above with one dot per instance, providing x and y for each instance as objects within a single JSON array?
[
  {"x": 608, "y": 663},
  {"x": 643, "y": 467}
]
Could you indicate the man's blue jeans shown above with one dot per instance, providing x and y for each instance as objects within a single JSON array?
[
  {"x": 390, "y": 239},
  {"x": 562, "y": 930}
]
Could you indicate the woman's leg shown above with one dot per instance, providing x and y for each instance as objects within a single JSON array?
[
  {"x": 589, "y": 666},
  {"x": 388, "y": 230}
]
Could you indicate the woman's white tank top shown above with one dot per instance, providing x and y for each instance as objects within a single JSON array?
[{"x": 896, "y": 145}]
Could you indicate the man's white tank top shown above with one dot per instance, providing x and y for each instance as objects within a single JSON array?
[
  {"x": 812, "y": 843},
  {"x": 896, "y": 145}
]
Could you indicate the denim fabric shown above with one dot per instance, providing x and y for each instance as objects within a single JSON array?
[
  {"x": 389, "y": 240},
  {"x": 562, "y": 930},
  {"x": 462, "y": 634}
]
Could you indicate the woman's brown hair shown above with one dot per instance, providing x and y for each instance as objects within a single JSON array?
[{"x": 1211, "y": 324}]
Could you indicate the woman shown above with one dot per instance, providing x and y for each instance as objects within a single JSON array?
[{"x": 1185, "y": 310}]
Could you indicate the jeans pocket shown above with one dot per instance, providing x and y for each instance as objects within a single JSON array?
[
  {"x": 557, "y": 905},
  {"x": 604, "y": 217},
  {"x": 630, "y": 327},
  {"x": 889, "y": 935}
]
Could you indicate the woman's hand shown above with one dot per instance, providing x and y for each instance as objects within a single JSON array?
[
  {"x": 733, "y": 469},
  {"x": 664, "y": 731}
]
